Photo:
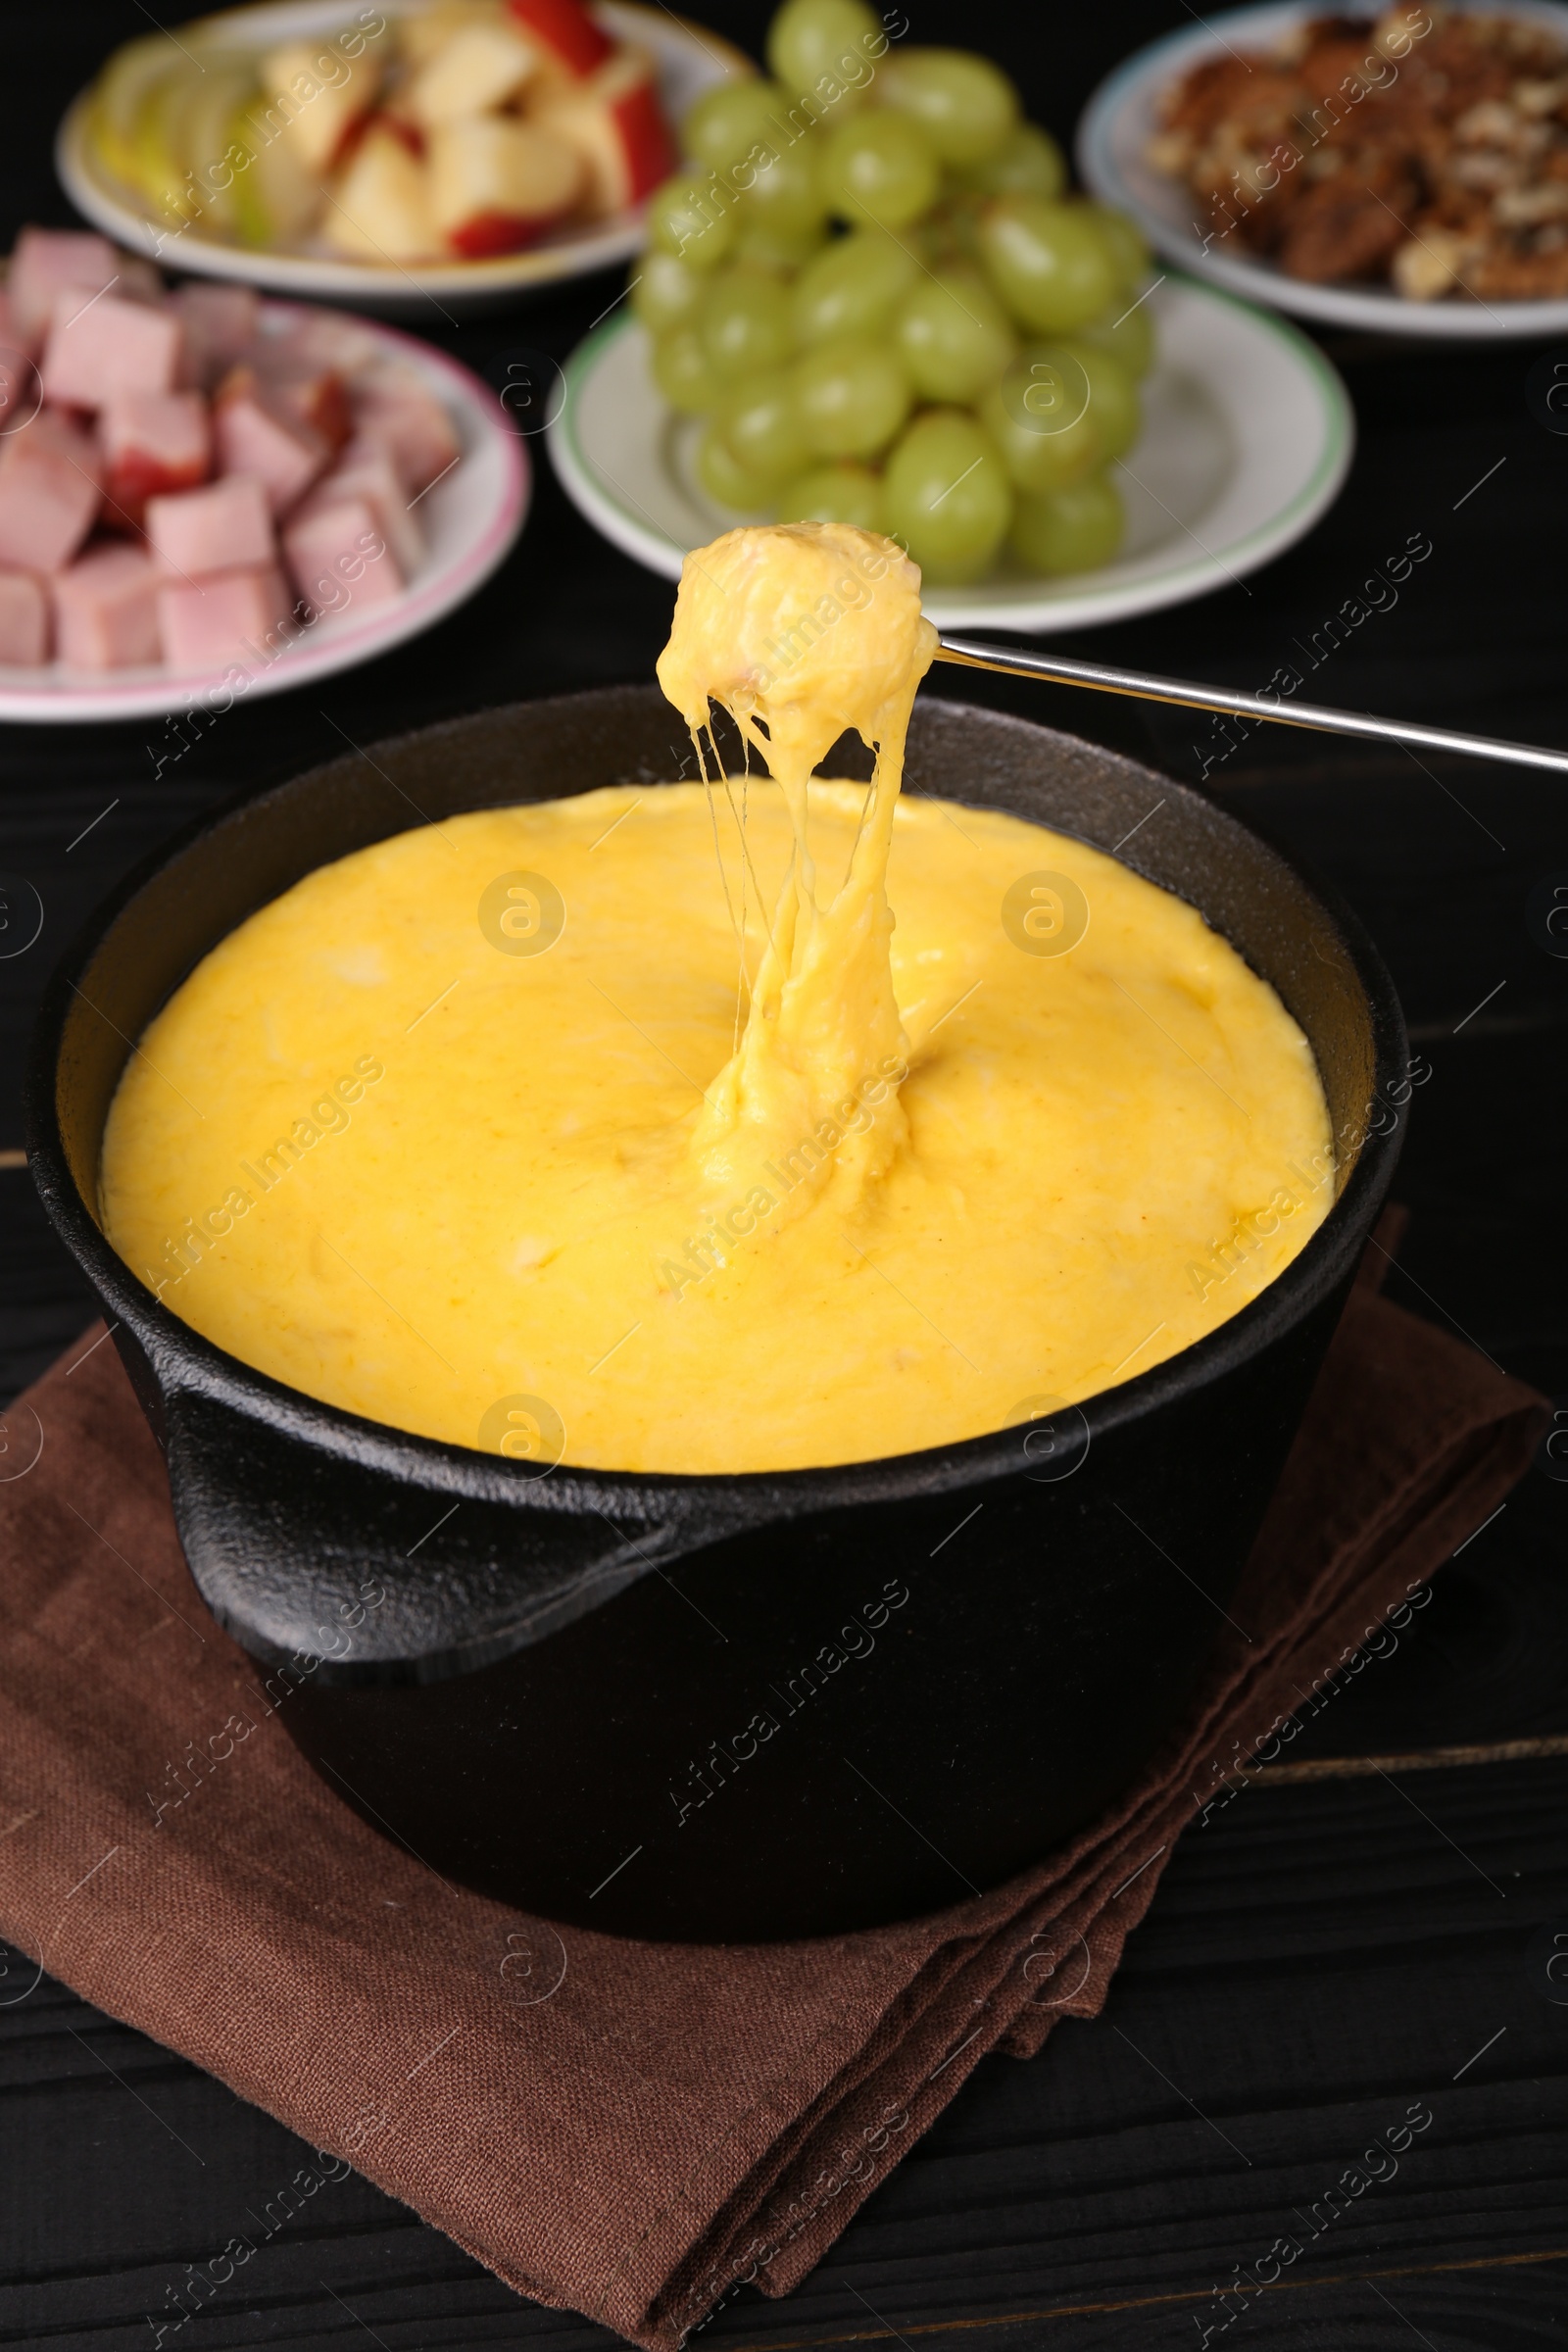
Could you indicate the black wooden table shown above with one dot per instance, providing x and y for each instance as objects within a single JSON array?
[{"x": 1365, "y": 1928}]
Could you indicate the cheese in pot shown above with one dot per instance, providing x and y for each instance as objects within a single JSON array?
[{"x": 630, "y": 1129}]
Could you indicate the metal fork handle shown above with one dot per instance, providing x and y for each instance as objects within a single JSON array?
[{"x": 1060, "y": 671}]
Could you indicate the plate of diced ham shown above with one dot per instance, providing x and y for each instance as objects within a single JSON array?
[
  {"x": 203, "y": 493},
  {"x": 384, "y": 156}
]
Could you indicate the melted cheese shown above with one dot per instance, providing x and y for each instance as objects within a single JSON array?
[
  {"x": 549, "y": 1131},
  {"x": 805, "y": 632}
]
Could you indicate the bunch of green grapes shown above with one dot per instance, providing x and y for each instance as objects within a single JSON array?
[{"x": 872, "y": 285}]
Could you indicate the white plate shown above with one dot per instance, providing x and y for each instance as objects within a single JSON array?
[
  {"x": 690, "y": 60},
  {"x": 1123, "y": 114},
  {"x": 472, "y": 516},
  {"x": 1248, "y": 434}
]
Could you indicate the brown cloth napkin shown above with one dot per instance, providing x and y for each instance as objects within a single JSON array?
[{"x": 624, "y": 2129}]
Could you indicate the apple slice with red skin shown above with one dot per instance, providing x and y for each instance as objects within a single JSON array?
[
  {"x": 617, "y": 124},
  {"x": 480, "y": 68},
  {"x": 399, "y": 127},
  {"x": 381, "y": 211},
  {"x": 316, "y": 115},
  {"x": 566, "y": 33},
  {"x": 488, "y": 235},
  {"x": 497, "y": 185}
]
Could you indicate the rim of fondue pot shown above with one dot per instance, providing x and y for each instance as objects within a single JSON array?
[{"x": 741, "y": 1707}]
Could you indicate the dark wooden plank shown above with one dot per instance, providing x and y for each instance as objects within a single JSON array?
[{"x": 1319, "y": 1961}]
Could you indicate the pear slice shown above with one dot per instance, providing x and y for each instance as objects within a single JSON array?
[
  {"x": 156, "y": 149},
  {"x": 215, "y": 161},
  {"x": 118, "y": 96},
  {"x": 277, "y": 197}
]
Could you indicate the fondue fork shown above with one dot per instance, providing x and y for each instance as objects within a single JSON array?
[{"x": 1060, "y": 671}]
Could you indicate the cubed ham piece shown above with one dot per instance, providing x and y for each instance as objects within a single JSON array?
[
  {"x": 138, "y": 280},
  {"x": 256, "y": 435},
  {"x": 20, "y": 391},
  {"x": 206, "y": 624},
  {"x": 568, "y": 41},
  {"x": 15, "y": 364},
  {"x": 106, "y": 610},
  {"x": 616, "y": 124},
  {"x": 153, "y": 443},
  {"x": 338, "y": 554},
  {"x": 221, "y": 323},
  {"x": 99, "y": 344},
  {"x": 50, "y": 490},
  {"x": 308, "y": 391},
  {"x": 365, "y": 470},
  {"x": 396, "y": 407},
  {"x": 43, "y": 263},
  {"x": 226, "y": 526},
  {"x": 24, "y": 620},
  {"x": 322, "y": 339}
]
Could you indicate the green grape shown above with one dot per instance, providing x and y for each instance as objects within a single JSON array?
[
  {"x": 853, "y": 396},
  {"x": 728, "y": 120},
  {"x": 1041, "y": 418},
  {"x": 745, "y": 322},
  {"x": 1127, "y": 334},
  {"x": 833, "y": 494},
  {"x": 683, "y": 372},
  {"x": 879, "y": 168},
  {"x": 1114, "y": 404},
  {"x": 1076, "y": 530},
  {"x": 1049, "y": 262},
  {"x": 965, "y": 104},
  {"x": 946, "y": 496},
  {"x": 783, "y": 251},
  {"x": 693, "y": 217},
  {"x": 954, "y": 336},
  {"x": 1129, "y": 256},
  {"x": 725, "y": 479},
  {"x": 948, "y": 234},
  {"x": 760, "y": 420},
  {"x": 851, "y": 287},
  {"x": 785, "y": 196},
  {"x": 1026, "y": 162},
  {"x": 811, "y": 41},
  {"x": 664, "y": 292}
]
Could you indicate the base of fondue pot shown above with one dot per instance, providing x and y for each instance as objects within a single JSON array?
[{"x": 730, "y": 1708}]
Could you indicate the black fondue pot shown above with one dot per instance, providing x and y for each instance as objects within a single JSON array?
[{"x": 774, "y": 1704}]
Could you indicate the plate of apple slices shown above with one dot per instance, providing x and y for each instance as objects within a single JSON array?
[{"x": 390, "y": 155}]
